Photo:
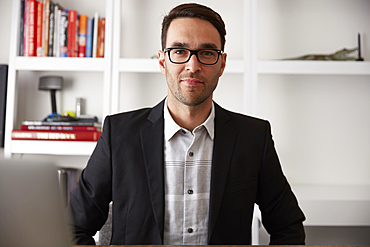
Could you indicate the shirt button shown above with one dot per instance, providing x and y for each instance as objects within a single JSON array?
[
  {"x": 190, "y": 192},
  {"x": 190, "y": 230},
  {"x": 183, "y": 131},
  {"x": 191, "y": 154}
]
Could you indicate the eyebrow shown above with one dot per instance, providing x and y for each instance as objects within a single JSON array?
[{"x": 202, "y": 46}]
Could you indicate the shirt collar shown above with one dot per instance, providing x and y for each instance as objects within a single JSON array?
[{"x": 171, "y": 127}]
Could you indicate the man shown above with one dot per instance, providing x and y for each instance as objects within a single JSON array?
[{"x": 186, "y": 171}]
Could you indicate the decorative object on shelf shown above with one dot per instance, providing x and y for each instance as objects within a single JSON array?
[
  {"x": 79, "y": 107},
  {"x": 359, "y": 48},
  {"x": 52, "y": 84},
  {"x": 341, "y": 55}
]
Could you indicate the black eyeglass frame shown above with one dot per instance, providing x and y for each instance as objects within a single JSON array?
[{"x": 193, "y": 52}]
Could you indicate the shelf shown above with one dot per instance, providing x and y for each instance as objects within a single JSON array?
[
  {"x": 53, "y": 147},
  {"x": 313, "y": 67},
  {"x": 60, "y": 64},
  {"x": 334, "y": 205},
  {"x": 143, "y": 65}
]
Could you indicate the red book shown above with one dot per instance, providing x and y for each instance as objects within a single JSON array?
[
  {"x": 55, "y": 135},
  {"x": 82, "y": 36},
  {"x": 101, "y": 39},
  {"x": 59, "y": 128},
  {"x": 31, "y": 32},
  {"x": 39, "y": 20},
  {"x": 97, "y": 37},
  {"x": 72, "y": 31}
]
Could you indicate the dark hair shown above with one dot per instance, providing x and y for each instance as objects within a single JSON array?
[{"x": 196, "y": 11}]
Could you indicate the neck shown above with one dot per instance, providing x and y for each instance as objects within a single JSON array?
[{"x": 189, "y": 117}]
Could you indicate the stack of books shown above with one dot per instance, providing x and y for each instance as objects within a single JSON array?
[
  {"x": 48, "y": 30},
  {"x": 58, "y": 131}
]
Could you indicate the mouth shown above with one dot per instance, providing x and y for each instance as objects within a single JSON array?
[{"x": 191, "y": 81}]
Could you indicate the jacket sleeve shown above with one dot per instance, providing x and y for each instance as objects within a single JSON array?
[
  {"x": 281, "y": 215},
  {"x": 89, "y": 203}
]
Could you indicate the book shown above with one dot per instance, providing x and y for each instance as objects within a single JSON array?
[
  {"x": 21, "y": 30},
  {"x": 31, "y": 28},
  {"x": 87, "y": 122},
  {"x": 56, "y": 30},
  {"x": 72, "y": 30},
  {"x": 3, "y": 87},
  {"x": 96, "y": 48},
  {"x": 39, "y": 20},
  {"x": 82, "y": 36},
  {"x": 51, "y": 30},
  {"x": 101, "y": 39},
  {"x": 63, "y": 33},
  {"x": 89, "y": 37},
  {"x": 55, "y": 135},
  {"x": 25, "y": 28},
  {"x": 60, "y": 128},
  {"x": 95, "y": 33},
  {"x": 45, "y": 37}
]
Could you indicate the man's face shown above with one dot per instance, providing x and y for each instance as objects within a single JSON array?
[{"x": 191, "y": 83}]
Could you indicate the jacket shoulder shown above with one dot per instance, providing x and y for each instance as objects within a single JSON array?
[{"x": 239, "y": 120}]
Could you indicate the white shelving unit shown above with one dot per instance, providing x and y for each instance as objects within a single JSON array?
[
  {"x": 313, "y": 67},
  {"x": 20, "y": 63}
]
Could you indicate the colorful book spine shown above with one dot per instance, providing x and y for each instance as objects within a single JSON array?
[
  {"x": 56, "y": 31},
  {"x": 101, "y": 40},
  {"x": 72, "y": 29},
  {"x": 51, "y": 30},
  {"x": 39, "y": 20},
  {"x": 21, "y": 30},
  {"x": 89, "y": 37},
  {"x": 45, "y": 42},
  {"x": 98, "y": 38},
  {"x": 56, "y": 135},
  {"x": 82, "y": 36},
  {"x": 59, "y": 128},
  {"x": 25, "y": 28},
  {"x": 63, "y": 33},
  {"x": 31, "y": 32},
  {"x": 88, "y": 122},
  {"x": 95, "y": 33}
]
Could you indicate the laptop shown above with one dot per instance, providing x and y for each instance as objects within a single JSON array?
[{"x": 31, "y": 211}]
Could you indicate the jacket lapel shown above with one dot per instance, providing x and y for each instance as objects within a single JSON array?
[
  {"x": 222, "y": 153},
  {"x": 152, "y": 137}
]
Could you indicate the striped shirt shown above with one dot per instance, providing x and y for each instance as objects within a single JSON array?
[{"x": 188, "y": 159}]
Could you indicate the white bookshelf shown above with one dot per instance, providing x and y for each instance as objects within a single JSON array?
[
  {"x": 53, "y": 64},
  {"x": 53, "y": 147},
  {"x": 60, "y": 64},
  {"x": 313, "y": 67}
]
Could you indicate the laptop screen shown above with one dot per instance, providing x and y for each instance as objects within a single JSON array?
[{"x": 31, "y": 210}]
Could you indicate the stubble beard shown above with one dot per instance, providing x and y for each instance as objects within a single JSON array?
[{"x": 189, "y": 96}]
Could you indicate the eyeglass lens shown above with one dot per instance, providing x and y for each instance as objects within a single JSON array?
[{"x": 183, "y": 55}]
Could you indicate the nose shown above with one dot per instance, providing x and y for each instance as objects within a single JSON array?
[{"x": 193, "y": 65}]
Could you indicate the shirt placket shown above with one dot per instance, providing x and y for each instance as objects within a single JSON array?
[{"x": 189, "y": 230}]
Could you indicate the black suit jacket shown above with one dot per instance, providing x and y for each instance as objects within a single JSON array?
[{"x": 127, "y": 167}]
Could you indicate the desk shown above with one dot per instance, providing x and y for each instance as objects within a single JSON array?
[{"x": 222, "y": 245}]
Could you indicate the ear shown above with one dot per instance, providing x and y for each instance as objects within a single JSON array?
[
  {"x": 162, "y": 62},
  {"x": 223, "y": 63}
]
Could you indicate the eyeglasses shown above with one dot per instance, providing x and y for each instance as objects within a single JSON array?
[{"x": 183, "y": 55}]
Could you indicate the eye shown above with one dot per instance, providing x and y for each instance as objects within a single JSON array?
[
  {"x": 179, "y": 51},
  {"x": 208, "y": 53}
]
